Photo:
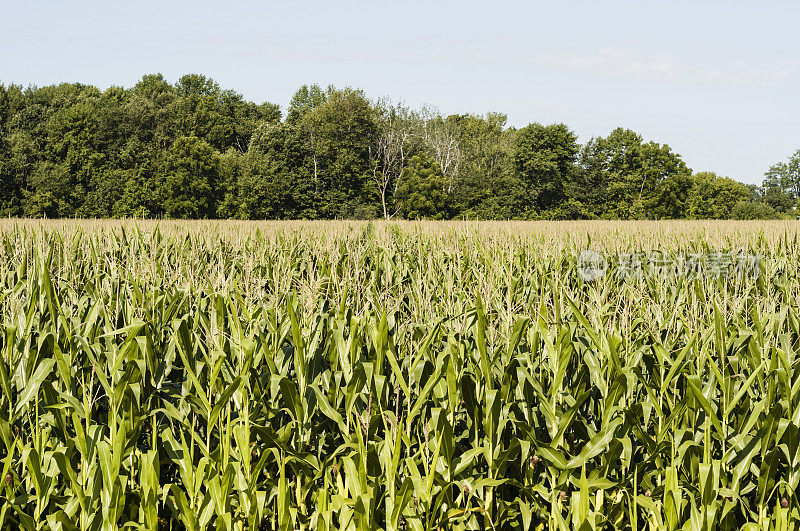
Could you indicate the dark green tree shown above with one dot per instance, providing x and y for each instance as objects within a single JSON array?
[
  {"x": 194, "y": 149},
  {"x": 338, "y": 135},
  {"x": 621, "y": 176},
  {"x": 753, "y": 210},
  {"x": 422, "y": 191},
  {"x": 787, "y": 174},
  {"x": 544, "y": 159},
  {"x": 487, "y": 182},
  {"x": 306, "y": 99},
  {"x": 669, "y": 199},
  {"x": 714, "y": 197},
  {"x": 189, "y": 176},
  {"x": 781, "y": 186},
  {"x": 275, "y": 181}
]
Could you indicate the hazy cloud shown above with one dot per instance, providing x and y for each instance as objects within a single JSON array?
[{"x": 669, "y": 67}]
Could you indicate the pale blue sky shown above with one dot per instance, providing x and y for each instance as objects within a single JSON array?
[{"x": 717, "y": 81}]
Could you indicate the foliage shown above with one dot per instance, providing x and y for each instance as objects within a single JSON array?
[
  {"x": 422, "y": 193},
  {"x": 714, "y": 196},
  {"x": 544, "y": 158},
  {"x": 753, "y": 210},
  {"x": 785, "y": 176},
  {"x": 190, "y": 179},
  {"x": 73, "y": 150},
  {"x": 624, "y": 177},
  {"x": 189, "y": 377}
]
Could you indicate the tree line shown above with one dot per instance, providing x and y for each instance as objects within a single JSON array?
[{"x": 193, "y": 150}]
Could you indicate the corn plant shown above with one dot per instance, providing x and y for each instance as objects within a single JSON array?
[{"x": 399, "y": 376}]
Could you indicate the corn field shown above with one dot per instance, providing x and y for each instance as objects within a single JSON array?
[{"x": 394, "y": 376}]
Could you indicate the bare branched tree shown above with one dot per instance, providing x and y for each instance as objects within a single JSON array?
[
  {"x": 390, "y": 148},
  {"x": 441, "y": 137}
]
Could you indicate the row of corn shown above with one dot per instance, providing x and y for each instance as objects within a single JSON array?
[{"x": 398, "y": 378}]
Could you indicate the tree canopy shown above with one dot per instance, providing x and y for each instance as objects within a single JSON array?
[{"x": 191, "y": 149}]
